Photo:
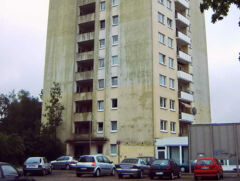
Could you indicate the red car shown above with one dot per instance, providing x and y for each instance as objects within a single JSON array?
[{"x": 208, "y": 167}]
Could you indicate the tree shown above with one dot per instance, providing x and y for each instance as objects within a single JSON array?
[
  {"x": 220, "y": 8},
  {"x": 53, "y": 110}
]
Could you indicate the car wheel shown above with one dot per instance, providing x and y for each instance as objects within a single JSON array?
[
  {"x": 78, "y": 175},
  {"x": 179, "y": 174},
  {"x": 50, "y": 171},
  {"x": 182, "y": 169},
  {"x": 140, "y": 175},
  {"x": 171, "y": 176},
  {"x": 67, "y": 167},
  {"x": 113, "y": 172},
  {"x": 120, "y": 176},
  {"x": 43, "y": 172},
  {"x": 218, "y": 176},
  {"x": 97, "y": 173}
]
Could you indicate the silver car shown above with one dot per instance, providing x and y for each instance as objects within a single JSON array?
[
  {"x": 63, "y": 162},
  {"x": 37, "y": 165},
  {"x": 133, "y": 167},
  {"x": 96, "y": 165}
]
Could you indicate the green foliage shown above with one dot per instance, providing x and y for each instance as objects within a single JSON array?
[{"x": 220, "y": 8}]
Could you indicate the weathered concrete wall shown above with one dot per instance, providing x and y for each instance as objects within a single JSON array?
[
  {"x": 59, "y": 61},
  {"x": 200, "y": 64}
]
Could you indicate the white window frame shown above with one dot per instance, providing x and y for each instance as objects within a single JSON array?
[
  {"x": 162, "y": 58},
  {"x": 161, "y": 38},
  {"x": 172, "y": 105},
  {"x": 104, "y": 24},
  {"x": 163, "y": 103},
  {"x": 169, "y": 4},
  {"x": 99, "y": 63},
  {"x": 115, "y": 20},
  {"x": 115, "y": 147},
  {"x": 162, "y": 80},
  {"x": 114, "y": 108},
  {"x": 163, "y": 126},
  {"x": 113, "y": 63},
  {"x": 115, "y": 40},
  {"x": 102, "y": 6},
  {"x": 170, "y": 42},
  {"x": 161, "y": 18},
  {"x": 171, "y": 62},
  {"x": 173, "y": 127},
  {"x": 169, "y": 23},
  {"x": 102, "y": 46},
  {"x": 114, "y": 130},
  {"x": 112, "y": 79},
  {"x": 100, "y": 81},
  {"x": 100, "y": 131},
  {"x": 114, "y": 2},
  {"x": 171, "y": 83},
  {"x": 161, "y": 1},
  {"x": 100, "y": 108}
]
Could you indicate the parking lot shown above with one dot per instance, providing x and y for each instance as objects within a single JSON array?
[{"x": 65, "y": 175}]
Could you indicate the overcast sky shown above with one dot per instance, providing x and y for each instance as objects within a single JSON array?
[{"x": 23, "y": 28}]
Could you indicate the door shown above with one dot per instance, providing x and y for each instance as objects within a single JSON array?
[
  {"x": 161, "y": 154},
  {"x": 109, "y": 166},
  {"x": 102, "y": 165}
]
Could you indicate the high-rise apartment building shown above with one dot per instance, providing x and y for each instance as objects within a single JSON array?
[{"x": 132, "y": 73}]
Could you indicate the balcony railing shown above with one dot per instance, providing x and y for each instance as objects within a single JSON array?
[
  {"x": 186, "y": 117},
  {"x": 182, "y": 20},
  {"x": 185, "y": 76},
  {"x": 183, "y": 57},
  {"x": 84, "y": 75},
  {"x": 82, "y": 96},
  {"x": 184, "y": 96},
  {"x": 86, "y": 18},
  {"x": 83, "y": 116},
  {"x": 183, "y": 38},
  {"x": 85, "y": 37},
  {"x": 182, "y": 3},
  {"x": 85, "y": 56}
]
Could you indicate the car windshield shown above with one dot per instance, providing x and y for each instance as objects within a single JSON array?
[
  {"x": 86, "y": 159},
  {"x": 130, "y": 161},
  {"x": 33, "y": 160},
  {"x": 204, "y": 162},
  {"x": 63, "y": 158},
  {"x": 161, "y": 162}
]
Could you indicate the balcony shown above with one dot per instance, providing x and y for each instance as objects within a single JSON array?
[
  {"x": 185, "y": 76},
  {"x": 182, "y": 4},
  {"x": 85, "y": 2},
  {"x": 86, "y": 18},
  {"x": 184, "y": 96},
  {"x": 182, "y": 21},
  {"x": 183, "y": 39},
  {"x": 183, "y": 57},
  {"x": 82, "y": 96},
  {"x": 185, "y": 117},
  {"x": 84, "y": 75},
  {"x": 85, "y": 56},
  {"x": 83, "y": 116},
  {"x": 85, "y": 37}
]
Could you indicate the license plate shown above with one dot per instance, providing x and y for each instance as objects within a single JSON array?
[
  {"x": 159, "y": 173},
  {"x": 83, "y": 168},
  {"x": 204, "y": 168},
  {"x": 32, "y": 166}
]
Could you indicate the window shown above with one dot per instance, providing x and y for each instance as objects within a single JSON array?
[
  {"x": 102, "y": 6},
  {"x": 113, "y": 126},
  {"x": 172, "y": 127},
  {"x": 100, "y": 105},
  {"x": 9, "y": 171},
  {"x": 163, "y": 102},
  {"x": 115, "y": 20},
  {"x": 115, "y": 40},
  {"x": 169, "y": 23},
  {"x": 102, "y": 24},
  {"x": 161, "y": 58},
  {"x": 163, "y": 125},
  {"x": 100, "y": 127},
  {"x": 170, "y": 62},
  {"x": 114, "y": 81},
  {"x": 170, "y": 42},
  {"x": 160, "y": 1},
  {"x": 169, "y": 4},
  {"x": 172, "y": 105},
  {"x": 100, "y": 149},
  {"x": 161, "y": 18},
  {"x": 171, "y": 83},
  {"x": 115, "y": 60},
  {"x": 101, "y": 63},
  {"x": 101, "y": 84},
  {"x": 113, "y": 149},
  {"x": 114, "y": 2},
  {"x": 114, "y": 103},
  {"x": 161, "y": 38},
  {"x": 102, "y": 43},
  {"x": 162, "y": 80}
]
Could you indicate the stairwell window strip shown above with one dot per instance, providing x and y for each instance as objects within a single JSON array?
[
  {"x": 115, "y": 40},
  {"x": 101, "y": 84},
  {"x": 113, "y": 149},
  {"x": 114, "y": 2},
  {"x": 169, "y": 23},
  {"x": 102, "y": 6},
  {"x": 163, "y": 126},
  {"x": 160, "y": 18},
  {"x": 170, "y": 42},
  {"x": 114, "y": 81},
  {"x": 161, "y": 38},
  {"x": 101, "y": 63},
  {"x": 172, "y": 105},
  {"x": 115, "y": 60},
  {"x": 115, "y": 20},
  {"x": 169, "y": 4},
  {"x": 163, "y": 103},
  {"x": 171, "y": 63},
  {"x": 172, "y": 127},
  {"x": 100, "y": 106},
  {"x": 113, "y": 126},
  {"x": 102, "y": 43},
  {"x": 160, "y": 1},
  {"x": 171, "y": 83},
  {"x": 162, "y": 80},
  {"x": 100, "y": 127},
  {"x": 161, "y": 58}
]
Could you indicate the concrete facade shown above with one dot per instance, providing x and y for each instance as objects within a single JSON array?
[{"x": 120, "y": 80}]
